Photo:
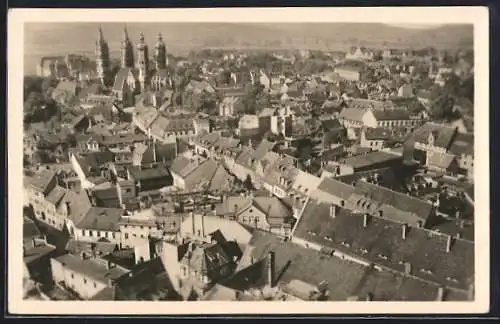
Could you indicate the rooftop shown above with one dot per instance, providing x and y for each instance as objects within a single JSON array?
[
  {"x": 381, "y": 242},
  {"x": 95, "y": 269}
]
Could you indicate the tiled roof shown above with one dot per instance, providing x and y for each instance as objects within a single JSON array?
[
  {"x": 79, "y": 204},
  {"x": 378, "y": 134},
  {"x": 275, "y": 211},
  {"x": 463, "y": 144},
  {"x": 40, "y": 180},
  {"x": 440, "y": 160},
  {"x": 370, "y": 159},
  {"x": 334, "y": 188},
  {"x": 140, "y": 174},
  {"x": 369, "y": 104},
  {"x": 396, "y": 206},
  {"x": 100, "y": 248},
  {"x": 207, "y": 259},
  {"x": 354, "y": 114},
  {"x": 293, "y": 262},
  {"x": 91, "y": 268},
  {"x": 55, "y": 195},
  {"x": 443, "y": 135},
  {"x": 183, "y": 166},
  {"x": 221, "y": 180},
  {"x": 146, "y": 281},
  {"x": 381, "y": 242},
  {"x": 233, "y": 204},
  {"x": 100, "y": 218},
  {"x": 391, "y": 114}
]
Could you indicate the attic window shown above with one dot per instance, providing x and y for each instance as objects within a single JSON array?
[
  {"x": 328, "y": 238},
  {"x": 311, "y": 233},
  {"x": 452, "y": 279},
  {"x": 426, "y": 271},
  {"x": 364, "y": 251}
]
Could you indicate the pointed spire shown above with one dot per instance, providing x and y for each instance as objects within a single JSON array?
[
  {"x": 125, "y": 34},
  {"x": 100, "y": 38}
]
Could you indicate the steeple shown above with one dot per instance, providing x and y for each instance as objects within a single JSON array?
[
  {"x": 160, "y": 53},
  {"x": 142, "y": 61},
  {"x": 102, "y": 58},
  {"x": 127, "y": 51}
]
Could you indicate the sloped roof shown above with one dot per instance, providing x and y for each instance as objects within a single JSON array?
[
  {"x": 121, "y": 78},
  {"x": 370, "y": 159},
  {"x": 79, "y": 204},
  {"x": 354, "y": 114},
  {"x": 40, "y": 180},
  {"x": 334, "y": 188},
  {"x": 396, "y": 206},
  {"x": 440, "y": 160},
  {"x": 391, "y": 114},
  {"x": 183, "y": 166},
  {"x": 381, "y": 242},
  {"x": 101, "y": 218},
  {"x": 91, "y": 268},
  {"x": 463, "y": 144},
  {"x": 76, "y": 247},
  {"x": 275, "y": 211},
  {"x": 378, "y": 134},
  {"x": 443, "y": 135}
]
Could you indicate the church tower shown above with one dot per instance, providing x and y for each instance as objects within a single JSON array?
[
  {"x": 127, "y": 51},
  {"x": 102, "y": 58},
  {"x": 142, "y": 61},
  {"x": 160, "y": 53}
]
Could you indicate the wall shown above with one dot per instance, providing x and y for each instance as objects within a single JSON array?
[
  {"x": 84, "y": 235},
  {"x": 135, "y": 234},
  {"x": 83, "y": 285}
]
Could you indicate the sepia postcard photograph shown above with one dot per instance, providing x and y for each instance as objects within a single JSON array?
[{"x": 248, "y": 161}]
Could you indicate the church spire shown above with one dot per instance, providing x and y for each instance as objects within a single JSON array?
[{"x": 127, "y": 50}]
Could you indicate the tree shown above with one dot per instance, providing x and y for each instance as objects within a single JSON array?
[{"x": 248, "y": 183}]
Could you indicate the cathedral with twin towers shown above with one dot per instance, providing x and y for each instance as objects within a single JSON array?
[{"x": 135, "y": 74}]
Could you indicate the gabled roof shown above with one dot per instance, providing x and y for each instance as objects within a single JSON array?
[
  {"x": 40, "y": 180},
  {"x": 443, "y": 135},
  {"x": 354, "y": 114},
  {"x": 334, "y": 188},
  {"x": 79, "y": 204},
  {"x": 370, "y": 159},
  {"x": 121, "y": 78},
  {"x": 102, "y": 219},
  {"x": 396, "y": 206},
  {"x": 275, "y": 211},
  {"x": 91, "y": 268},
  {"x": 391, "y": 114},
  {"x": 440, "y": 160},
  {"x": 374, "y": 134},
  {"x": 381, "y": 242}
]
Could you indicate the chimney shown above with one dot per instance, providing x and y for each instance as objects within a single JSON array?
[
  {"x": 462, "y": 224},
  {"x": 457, "y": 214},
  {"x": 440, "y": 294},
  {"x": 365, "y": 220},
  {"x": 333, "y": 211},
  {"x": 419, "y": 224},
  {"x": 407, "y": 268},
  {"x": 404, "y": 231},
  {"x": 271, "y": 269},
  {"x": 459, "y": 236},
  {"x": 448, "y": 243},
  {"x": 369, "y": 297}
]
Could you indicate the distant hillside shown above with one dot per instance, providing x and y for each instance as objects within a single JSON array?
[{"x": 60, "y": 38}]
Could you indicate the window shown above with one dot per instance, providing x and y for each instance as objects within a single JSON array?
[
  {"x": 95, "y": 285},
  {"x": 126, "y": 236},
  {"x": 84, "y": 281},
  {"x": 72, "y": 276},
  {"x": 113, "y": 235},
  {"x": 106, "y": 234},
  {"x": 142, "y": 236},
  {"x": 91, "y": 233},
  {"x": 98, "y": 234},
  {"x": 128, "y": 190},
  {"x": 142, "y": 227}
]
